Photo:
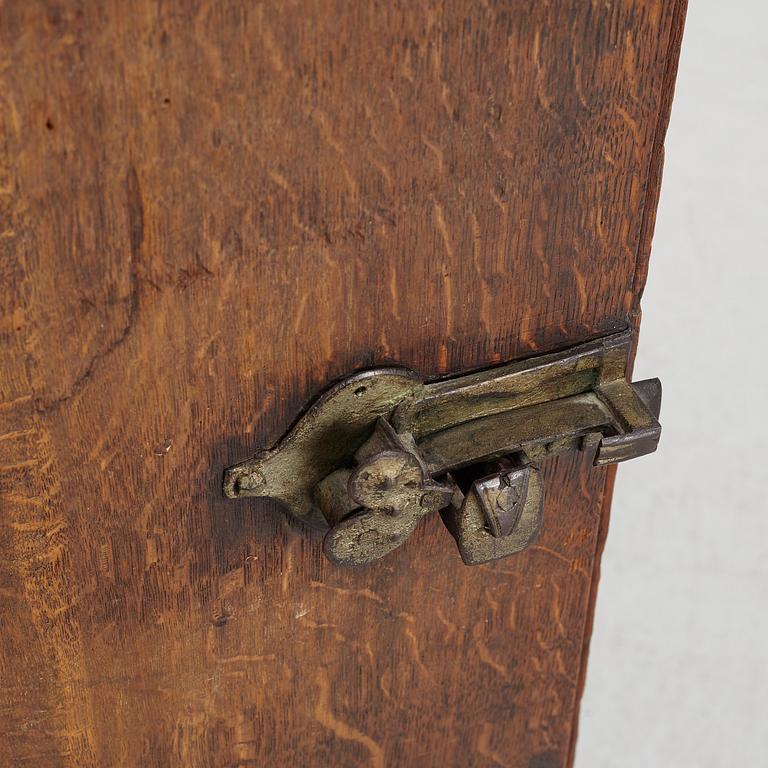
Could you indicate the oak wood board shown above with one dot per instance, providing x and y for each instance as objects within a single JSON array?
[{"x": 208, "y": 212}]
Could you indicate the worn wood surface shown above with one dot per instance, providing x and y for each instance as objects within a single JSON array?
[{"x": 208, "y": 211}]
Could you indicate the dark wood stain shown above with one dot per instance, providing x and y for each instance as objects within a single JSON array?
[{"x": 208, "y": 210}]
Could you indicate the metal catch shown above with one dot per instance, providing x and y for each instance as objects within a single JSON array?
[{"x": 381, "y": 450}]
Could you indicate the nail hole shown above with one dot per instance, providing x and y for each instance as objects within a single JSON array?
[{"x": 49, "y": 124}]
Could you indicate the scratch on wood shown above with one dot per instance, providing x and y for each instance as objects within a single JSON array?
[
  {"x": 324, "y": 715},
  {"x": 409, "y": 633},
  {"x": 581, "y": 285},
  {"x": 483, "y": 746},
  {"x": 450, "y": 627},
  {"x": 327, "y": 135},
  {"x": 436, "y": 151},
  {"x": 633, "y": 127},
  {"x": 486, "y": 657},
  {"x": 364, "y": 592},
  {"x": 442, "y": 228},
  {"x": 135, "y": 212},
  {"x": 271, "y": 47}
]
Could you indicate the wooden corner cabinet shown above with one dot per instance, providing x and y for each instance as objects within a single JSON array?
[{"x": 210, "y": 214}]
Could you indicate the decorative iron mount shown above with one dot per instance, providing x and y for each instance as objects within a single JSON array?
[{"x": 382, "y": 449}]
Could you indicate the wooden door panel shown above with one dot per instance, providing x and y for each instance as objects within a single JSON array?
[{"x": 211, "y": 210}]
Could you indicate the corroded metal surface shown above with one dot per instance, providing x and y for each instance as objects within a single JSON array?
[
  {"x": 376, "y": 453},
  {"x": 323, "y": 440},
  {"x": 501, "y": 515},
  {"x": 390, "y": 491}
]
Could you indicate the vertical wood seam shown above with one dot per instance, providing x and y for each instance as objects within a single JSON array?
[
  {"x": 638, "y": 284},
  {"x": 656, "y": 165}
]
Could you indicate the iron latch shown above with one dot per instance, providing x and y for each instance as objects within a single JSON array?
[{"x": 381, "y": 449}]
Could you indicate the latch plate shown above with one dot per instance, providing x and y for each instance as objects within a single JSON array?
[{"x": 382, "y": 449}]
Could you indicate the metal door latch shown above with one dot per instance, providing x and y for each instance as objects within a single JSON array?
[{"x": 382, "y": 449}]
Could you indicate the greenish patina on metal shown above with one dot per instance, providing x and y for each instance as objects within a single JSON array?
[{"x": 382, "y": 449}]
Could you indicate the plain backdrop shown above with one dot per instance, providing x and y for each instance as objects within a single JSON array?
[{"x": 678, "y": 669}]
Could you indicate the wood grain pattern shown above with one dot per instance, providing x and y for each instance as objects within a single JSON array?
[{"x": 211, "y": 209}]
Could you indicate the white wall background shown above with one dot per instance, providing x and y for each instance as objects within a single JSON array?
[{"x": 678, "y": 670}]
